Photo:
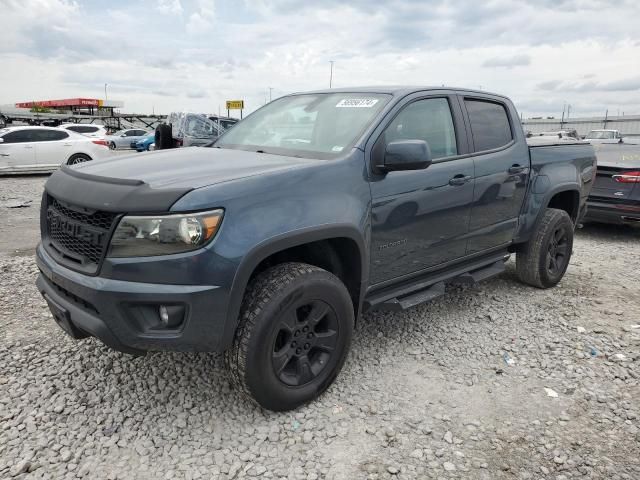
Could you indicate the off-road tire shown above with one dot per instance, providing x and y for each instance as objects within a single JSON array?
[
  {"x": 532, "y": 259},
  {"x": 78, "y": 158},
  {"x": 269, "y": 297},
  {"x": 163, "y": 136}
]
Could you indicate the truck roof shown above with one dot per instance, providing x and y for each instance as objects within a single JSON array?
[{"x": 399, "y": 90}]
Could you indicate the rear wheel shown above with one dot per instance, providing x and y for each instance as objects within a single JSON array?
[
  {"x": 543, "y": 261},
  {"x": 293, "y": 337},
  {"x": 78, "y": 158}
]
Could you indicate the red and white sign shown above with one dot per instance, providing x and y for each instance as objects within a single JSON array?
[{"x": 69, "y": 102}]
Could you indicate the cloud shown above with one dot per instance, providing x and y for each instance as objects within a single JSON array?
[
  {"x": 508, "y": 62},
  {"x": 621, "y": 85},
  {"x": 202, "y": 19},
  {"x": 549, "y": 85},
  {"x": 170, "y": 7},
  {"x": 541, "y": 53}
]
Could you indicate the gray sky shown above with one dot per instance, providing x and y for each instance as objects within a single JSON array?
[{"x": 195, "y": 54}]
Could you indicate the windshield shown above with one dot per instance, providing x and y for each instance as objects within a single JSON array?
[
  {"x": 599, "y": 134},
  {"x": 312, "y": 125}
]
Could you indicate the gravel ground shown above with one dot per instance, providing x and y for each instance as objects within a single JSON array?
[{"x": 495, "y": 381}]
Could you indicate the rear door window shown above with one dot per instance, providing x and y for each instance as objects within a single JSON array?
[
  {"x": 489, "y": 124},
  {"x": 50, "y": 135}
]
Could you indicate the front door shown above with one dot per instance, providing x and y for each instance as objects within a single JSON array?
[
  {"x": 420, "y": 218},
  {"x": 501, "y": 173},
  {"x": 17, "y": 149}
]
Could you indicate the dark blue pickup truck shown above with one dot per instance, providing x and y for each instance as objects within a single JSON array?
[{"x": 317, "y": 207}]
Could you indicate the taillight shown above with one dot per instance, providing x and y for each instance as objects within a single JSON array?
[
  {"x": 100, "y": 142},
  {"x": 627, "y": 177}
]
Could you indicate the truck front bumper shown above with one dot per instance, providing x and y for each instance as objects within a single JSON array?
[{"x": 127, "y": 316}]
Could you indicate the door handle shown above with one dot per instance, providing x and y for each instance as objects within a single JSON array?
[
  {"x": 68, "y": 144},
  {"x": 516, "y": 169},
  {"x": 4, "y": 155},
  {"x": 459, "y": 179},
  {"x": 28, "y": 146}
]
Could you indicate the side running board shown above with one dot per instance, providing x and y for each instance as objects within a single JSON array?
[
  {"x": 436, "y": 290},
  {"x": 476, "y": 276},
  {"x": 411, "y": 300}
]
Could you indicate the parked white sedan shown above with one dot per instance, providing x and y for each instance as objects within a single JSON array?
[{"x": 43, "y": 149}]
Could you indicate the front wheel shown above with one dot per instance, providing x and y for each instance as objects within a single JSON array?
[
  {"x": 543, "y": 261},
  {"x": 295, "y": 329},
  {"x": 112, "y": 145}
]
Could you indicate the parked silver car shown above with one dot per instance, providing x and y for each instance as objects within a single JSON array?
[{"x": 124, "y": 138}]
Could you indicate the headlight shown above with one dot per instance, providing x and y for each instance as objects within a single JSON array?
[{"x": 143, "y": 236}]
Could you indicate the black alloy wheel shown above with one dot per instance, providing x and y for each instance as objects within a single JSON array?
[
  {"x": 304, "y": 341},
  {"x": 543, "y": 260},
  {"x": 293, "y": 336},
  {"x": 558, "y": 251}
]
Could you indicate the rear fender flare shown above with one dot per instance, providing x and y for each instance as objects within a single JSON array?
[{"x": 531, "y": 220}]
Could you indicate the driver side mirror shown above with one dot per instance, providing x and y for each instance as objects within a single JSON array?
[{"x": 406, "y": 155}]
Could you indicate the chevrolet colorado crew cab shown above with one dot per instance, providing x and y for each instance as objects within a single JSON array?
[{"x": 317, "y": 207}]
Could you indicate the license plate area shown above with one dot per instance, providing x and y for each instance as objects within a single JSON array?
[{"x": 63, "y": 319}]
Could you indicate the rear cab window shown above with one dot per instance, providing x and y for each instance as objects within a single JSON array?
[{"x": 490, "y": 124}]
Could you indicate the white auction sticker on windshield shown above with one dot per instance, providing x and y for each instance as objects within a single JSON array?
[{"x": 357, "y": 102}]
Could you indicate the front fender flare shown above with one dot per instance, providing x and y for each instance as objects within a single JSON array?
[{"x": 279, "y": 243}]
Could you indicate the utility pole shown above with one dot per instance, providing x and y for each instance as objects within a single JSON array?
[
  {"x": 331, "y": 74},
  {"x": 270, "y": 90},
  {"x": 105, "y": 92}
]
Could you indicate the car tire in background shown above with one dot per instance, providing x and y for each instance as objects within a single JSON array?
[
  {"x": 295, "y": 328},
  {"x": 164, "y": 138},
  {"x": 543, "y": 260},
  {"x": 78, "y": 158},
  {"x": 112, "y": 145}
]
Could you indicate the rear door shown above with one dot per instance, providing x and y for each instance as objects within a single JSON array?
[
  {"x": 420, "y": 218},
  {"x": 53, "y": 147},
  {"x": 501, "y": 160},
  {"x": 17, "y": 149}
]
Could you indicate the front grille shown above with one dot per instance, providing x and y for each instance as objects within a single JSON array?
[{"x": 79, "y": 236}]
